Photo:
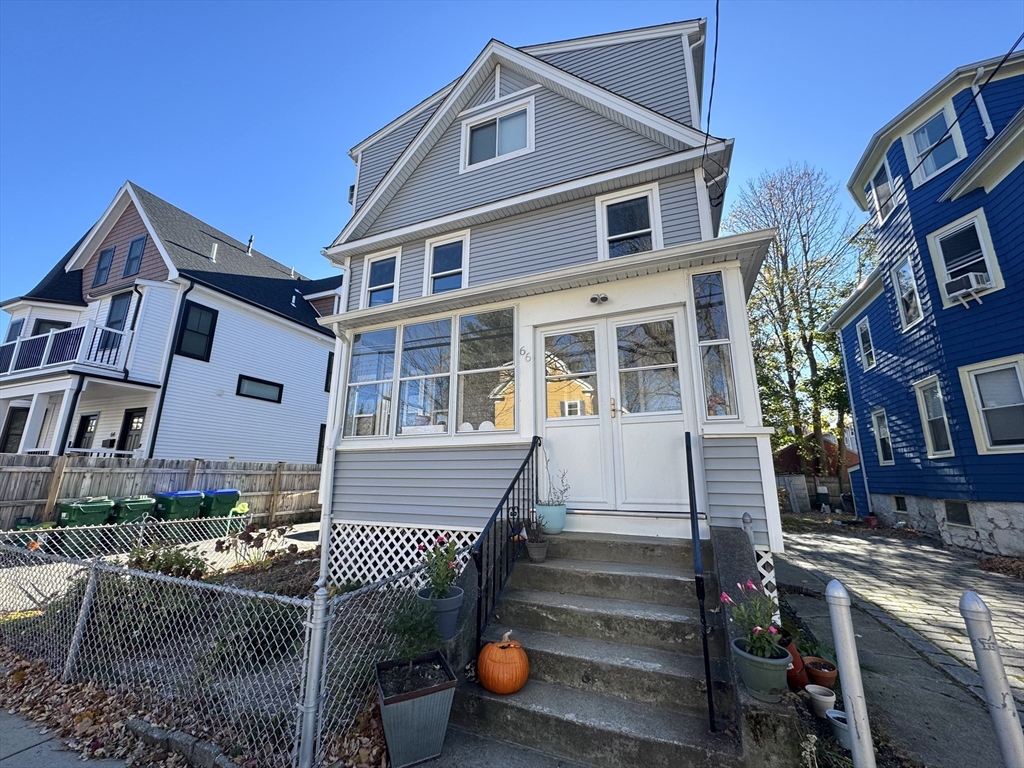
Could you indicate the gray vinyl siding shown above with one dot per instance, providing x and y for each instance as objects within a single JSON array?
[
  {"x": 485, "y": 94},
  {"x": 411, "y": 285},
  {"x": 456, "y": 487},
  {"x": 571, "y": 142},
  {"x": 551, "y": 238},
  {"x": 355, "y": 283},
  {"x": 680, "y": 221},
  {"x": 376, "y": 160},
  {"x": 733, "y": 476},
  {"x": 513, "y": 81},
  {"x": 650, "y": 72}
]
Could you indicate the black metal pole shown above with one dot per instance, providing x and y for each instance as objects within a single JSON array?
[{"x": 698, "y": 577}]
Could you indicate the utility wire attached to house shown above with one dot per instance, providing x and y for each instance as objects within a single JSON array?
[
  {"x": 928, "y": 152},
  {"x": 719, "y": 196}
]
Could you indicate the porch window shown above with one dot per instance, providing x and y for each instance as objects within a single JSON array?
[
  {"x": 14, "y": 330},
  {"x": 197, "y": 329},
  {"x": 648, "y": 368},
  {"x": 117, "y": 314},
  {"x": 867, "y": 349},
  {"x": 371, "y": 374},
  {"x": 570, "y": 380},
  {"x": 486, "y": 375},
  {"x": 883, "y": 442},
  {"x": 134, "y": 260},
  {"x": 907, "y": 298},
  {"x": 380, "y": 281},
  {"x": 933, "y": 418},
  {"x": 41, "y": 327},
  {"x": 103, "y": 267},
  {"x": 446, "y": 268},
  {"x": 425, "y": 378},
  {"x": 714, "y": 344}
]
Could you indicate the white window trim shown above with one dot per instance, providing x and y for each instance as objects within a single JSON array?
[
  {"x": 878, "y": 438},
  {"x": 653, "y": 206},
  {"x": 910, "y": 149},
  {"x": 987, "y": 249},
  {"x": 919, "y": 387},
  {"x": 899, "y": 298},
  {"x": 428, "y": 258},
  {"x": 364, "y": 295},
  {"x": 879, "y": 218},
  {"x": 860, "y": 345},
  {"x": 978, "y": 426},
  {"x": 494, "y": 113}
]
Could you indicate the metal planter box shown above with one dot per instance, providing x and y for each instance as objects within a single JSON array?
[{"x": 415, "y": 723}]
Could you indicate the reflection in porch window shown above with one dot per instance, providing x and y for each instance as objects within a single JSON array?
[
  {"x": 648, "y": 367},
  {"x": 715, "y": 344},
  {"x": 425, "y": 377},
  {"x": 570, "y": 361},
  {"x": 368, "y": 411},
  {"x": 486, "y": 381}
]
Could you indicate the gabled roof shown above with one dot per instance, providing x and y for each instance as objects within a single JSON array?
[
  {"x": 989, "y": 167},
  {"x": 644, "y": 121},
  {"x": 323, "y": 285},
  {"x": 59, "y": 286},
  {"x": 883, "y": 138}
]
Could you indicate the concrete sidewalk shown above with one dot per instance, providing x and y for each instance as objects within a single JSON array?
[
  {"x": 23, "y": 745},
  {"x": 922, "y": 711}
]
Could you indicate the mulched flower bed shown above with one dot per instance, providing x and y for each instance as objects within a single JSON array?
[{"x": 1008, "y": 566}]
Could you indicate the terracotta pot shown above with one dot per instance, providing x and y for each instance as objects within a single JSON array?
[
  {"x": 820, "y": 671},
  {"x": 796, "y": 675},
  {"x": 871, "y": 521}
]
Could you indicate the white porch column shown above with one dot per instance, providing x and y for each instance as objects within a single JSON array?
[
  {"x": 36, "y": 412},
  {"x": 63, "y": 414}
]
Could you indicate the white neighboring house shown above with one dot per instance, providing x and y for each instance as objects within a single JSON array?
[
  {"x": 158, "y": 336},
  {"x": 533, "y": 252}
]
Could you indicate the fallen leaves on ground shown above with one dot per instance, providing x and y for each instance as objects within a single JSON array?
[
  {"x": 363, "y": 745},
  {"x": 847, "y": 525},
  {"x": 1008, "y": 566}
]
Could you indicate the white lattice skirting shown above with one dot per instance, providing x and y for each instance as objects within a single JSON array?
[
  {"x": 766, "y": 567},
  {"x": 369, "y": 553}
]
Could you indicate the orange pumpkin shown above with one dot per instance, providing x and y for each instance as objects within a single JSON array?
[{"x": 503, "y": 667}]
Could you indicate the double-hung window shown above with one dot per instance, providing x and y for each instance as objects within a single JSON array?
[
  {"x": 883, "y": 442},
  {"x": 994, "y": 391},
  {"x": 103, "y": 267},
  {"x": 964, "y": 259},
  {"x": 934, "y": 145},
  {"x": 197, "y": 328},
  {"x": 498, "y": 134},
  {"x": 425, "y": 378},
  {"x": 117, "y": 315},
  {"x": 14, "y": 330},
  {"x": 134, "y": 260},
  {"x": 628, "y": 222},
  {"x": 714, "y": 343},
  {"x": 907, "y": 298},
  {"x": 882, "y": 191},
  {"x": 371, "y": 371},
  {"x": 933, "y": 418},
  {"x": 381, "y": 280},
  {"x": 486, "y": 380},
  {"x": 446, "y": 263},
  {"x": 867, "y": 349}
]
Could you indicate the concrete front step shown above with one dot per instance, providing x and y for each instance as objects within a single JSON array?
[
  {"x": 602, "y": 730},
  {"x": 638, "y": 550},
  {"x": 626, "y": 622},
  {"x": 660, "y": 584},
  {"x": 463, "y": 749},
  {"x": 648, "y": 675}
]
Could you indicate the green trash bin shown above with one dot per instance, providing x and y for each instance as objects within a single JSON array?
[
  {"x": 219, "y": 503},
  {"x": 132, "y": 509},
  {"x": 85, "y": 512},
  {"x": 74, "y": 515},
  {"x": 179, "y": 505}
]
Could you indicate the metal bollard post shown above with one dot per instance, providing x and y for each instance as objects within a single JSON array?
[
  {"x": 748, "y": 527},
  {"x": 314, "y": 673},
  {"x": 1001, "y": 706},
  {"x": 83, "y": 617},
  {"x": 849, "y": 674}
]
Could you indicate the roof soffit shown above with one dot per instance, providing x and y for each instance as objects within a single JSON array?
[{"x": 646, "y": 122}]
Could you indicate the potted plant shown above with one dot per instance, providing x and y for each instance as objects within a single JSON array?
[
  {"x": 552, "y": 508},
  {"x": 536, "y": 544},
  {"x": 441, "y": 593},
  {"x": 761, "y": 660},
  {"x": 416, "y": 687}
]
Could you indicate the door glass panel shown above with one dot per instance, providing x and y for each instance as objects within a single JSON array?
[
  {"x": 570, "y": 375},
  {"x": 648, "y": 368}
]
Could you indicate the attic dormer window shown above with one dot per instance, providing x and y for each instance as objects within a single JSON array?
[{"x": 498, "y": 134}]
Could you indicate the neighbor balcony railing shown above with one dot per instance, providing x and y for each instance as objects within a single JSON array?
[{"x": 86, "y": 344}]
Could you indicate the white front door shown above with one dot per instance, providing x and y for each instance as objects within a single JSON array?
[{"x": 612, "y": 406}]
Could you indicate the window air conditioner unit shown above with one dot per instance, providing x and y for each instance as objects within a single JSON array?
[{"x": 967, "y": 286}]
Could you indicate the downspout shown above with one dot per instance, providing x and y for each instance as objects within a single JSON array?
[
  {"x": 71, "y": 415},
  {"x": 689, "y": 74},
  {"x": 982, "y": 109},
  {"x": 135, "y": 320},
  {"x": 167, "y": 370},
  {"x": 856, "y": 427},
  {"x": 331, "y": 438}
]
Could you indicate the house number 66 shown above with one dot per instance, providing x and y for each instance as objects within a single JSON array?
[{"x": 526, "y": 355}]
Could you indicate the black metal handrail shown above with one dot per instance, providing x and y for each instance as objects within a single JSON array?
[
  {"x": 698, "y": 577},
  {"x": 499, "y": 543}
]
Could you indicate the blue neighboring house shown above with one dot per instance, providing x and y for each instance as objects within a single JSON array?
[{"x": 933, "y": 339}]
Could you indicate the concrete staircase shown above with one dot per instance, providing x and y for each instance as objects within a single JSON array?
[{"x": 612, "y": 629}]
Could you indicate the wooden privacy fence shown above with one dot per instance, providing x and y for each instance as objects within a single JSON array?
[{"x": 31, "y": 486}]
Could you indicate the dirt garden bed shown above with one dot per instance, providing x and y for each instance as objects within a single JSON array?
[{"x": 848, "y": 525}]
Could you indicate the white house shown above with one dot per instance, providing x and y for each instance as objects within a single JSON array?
[{"x": 159, "y": 336}]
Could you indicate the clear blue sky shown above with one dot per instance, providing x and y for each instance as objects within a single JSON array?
[{"x": 242, "y": 113}]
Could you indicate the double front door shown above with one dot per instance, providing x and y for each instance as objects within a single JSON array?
[{"x": 612, "y": 404}]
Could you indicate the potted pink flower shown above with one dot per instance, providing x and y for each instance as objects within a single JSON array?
[
  {"x": 760, "y": 657},
  {"x": 442, "y": 571}
]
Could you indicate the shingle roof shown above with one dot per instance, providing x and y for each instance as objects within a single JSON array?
[
  {"x": 59, "y": 286},
  {"x": 322, "y": 285}
]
